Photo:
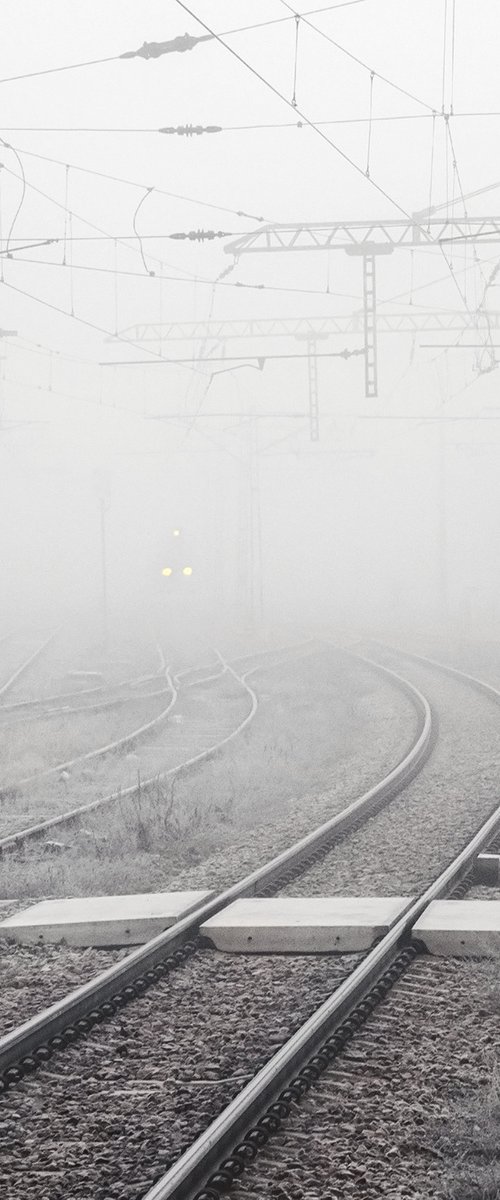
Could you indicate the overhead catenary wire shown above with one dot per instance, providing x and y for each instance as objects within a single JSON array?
[
  {"x": 134, "y": 220},
  {"x": 135, "y": 183},
  {"x": 23, "y": 188},
  {"x": 271, "y": 87},
  {"x": 267, "y": 83},
  {"x": 102, "y": 234},
  {"x": 96, "y": 62},
  {"x": 294, "y": 93},
  {"x": 255, "y": 125},
  {"x": 443, "y": 69},
  {"x": 74, "y": 316},
  {"x": 370, "y": 122},
  {"x": 198, "y": 280},
  {"x": 384, "y": 78}
]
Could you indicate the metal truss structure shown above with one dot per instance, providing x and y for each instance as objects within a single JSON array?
[
  {"x": 418, "y": 321},
  {"x": 312, "y": 329},
  {"x": 367, "y": 239}
]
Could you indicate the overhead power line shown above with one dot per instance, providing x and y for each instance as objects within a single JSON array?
[
  {"x": 359, "y": 61},
  {"x": 80, "y": 320},
  {"x": 254, "y": 126},
  {"x": 134, "y": 183},
  {"x": 271, "y": 87},
  {"x": 258, "y": 358},
  {"x": 190, "y": 235},
  {"x": 180, "y": 44}
]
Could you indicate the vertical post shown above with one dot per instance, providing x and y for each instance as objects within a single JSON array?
[
  {"x": 370, "y": 324},
  {"x": 312, "y": 373},
  {"x": 442, "y": 532},
  {"x": 104, "y": 580}
]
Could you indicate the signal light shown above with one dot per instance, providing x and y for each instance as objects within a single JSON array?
[
  {"x": 176, "y": 532},
  {"x": 167, "y": 571},
  {"x": 187, "y": 570}
]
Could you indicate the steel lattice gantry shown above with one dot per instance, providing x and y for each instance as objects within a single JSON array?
[
  {"x": 419, "y": 321},
  {"x": 367, "y": 239},
  {"x": 361, "y": 237},
  {"x": 311, "y": 330}
]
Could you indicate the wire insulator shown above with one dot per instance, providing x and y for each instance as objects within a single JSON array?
[
  {"x": 175, "y": 45},
  {"x": 200, "y": 235},
  {"x": 190, "y": 130}
]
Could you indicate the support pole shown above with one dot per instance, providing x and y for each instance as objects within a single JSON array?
[
  {"x": 104, "y": 575},
  {"x": 312, "y": 374},
  {"x": 370, "y": 324}
]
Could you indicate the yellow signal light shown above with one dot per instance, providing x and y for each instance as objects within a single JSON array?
[
  {"x": 187, "y": 570},
  {"x": 176, "y": 532},
  {"x": 167, "y": 571}
]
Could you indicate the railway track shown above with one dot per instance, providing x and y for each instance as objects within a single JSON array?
[
  {"x": 16, "y": 661},
  {"x": 155, "y": 770},
  {"x": 148, "y": 968},
  {"x": 92, "y": 699},
  {"x": 61, "y": 821}
]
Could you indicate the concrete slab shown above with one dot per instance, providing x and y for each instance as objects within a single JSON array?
[
  {"x": 101, "y": 920},
  {"x": 463, "y": 928},
  {"x": 304, "y": 925},
  {"x": 487, "y": 869}
]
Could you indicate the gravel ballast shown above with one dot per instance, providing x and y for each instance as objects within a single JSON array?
[
  {"x": 110, "y": 1115},
  {"x": 407, "y": 1111},
  {"x": 401, "y": 849},
  {"x": 367, "y": 744},
  {"x": 141, "y": 1087}
]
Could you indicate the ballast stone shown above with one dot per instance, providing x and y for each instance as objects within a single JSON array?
[
  {"x": 460, "y": 928},
  {"x": 488, "y": 869},
  {"x": 303, "y": 925},
  {"x": 101, "y": 920}
]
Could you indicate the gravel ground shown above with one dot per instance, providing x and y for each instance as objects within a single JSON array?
[
  {"x": 482, "y": 891},
  {"x": 325, "y": 730},
  {"x": 34, "y": 976},
  {"x": 199, "y": 719},
  {"x": 384, "y": 723},
  {"x": 69, "y": 651},
  {"x": 380, "y": 728},
  {"x": 403, "y": 847},
  {"x": 128, "y": 1093},
  {"x": 14, "y": 650},
  {"x": 396, "y": 1115},
  {"x": 108, "y": 1117}
]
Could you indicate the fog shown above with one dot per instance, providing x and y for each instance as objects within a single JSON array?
[{"x": 388, "y": 520}]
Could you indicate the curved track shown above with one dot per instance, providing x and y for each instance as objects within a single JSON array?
[
  {"x": 229, "y": 1146},
  {"x": 75, "y": 1014},
  {"x": 40, "y": 829},
  {"x": 217, "y": 1158},
  {"x": 8, "y": 684}
]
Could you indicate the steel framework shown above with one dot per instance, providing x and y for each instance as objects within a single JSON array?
[
  {"x": 366, "y": 236},
  {"x": 312, "y": 329},
  {"x": 425, "y": 321},
  {"x": 367, "y": 239}
]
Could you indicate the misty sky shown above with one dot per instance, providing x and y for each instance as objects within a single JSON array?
[{"x": 358, "y": 515}]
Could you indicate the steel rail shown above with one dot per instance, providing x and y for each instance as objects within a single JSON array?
[
  {"x": 64, "y": 710},
  {"x": 14, "y": 840},
  {"x": 220, "y": 1154},
  {"x": 480, "y": 685},
  {"x": 9, "y": 683},
  {"x": 186, "y": 1180},
  {"x": 41, "y": 701},
  {"x": 110, "y": 748},
  {"x": 34, "y": 1041}
]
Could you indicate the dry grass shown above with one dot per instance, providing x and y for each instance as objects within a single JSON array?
[
  {"x": 34, "y": 745},
  {"x": 140, "y": 843}
]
